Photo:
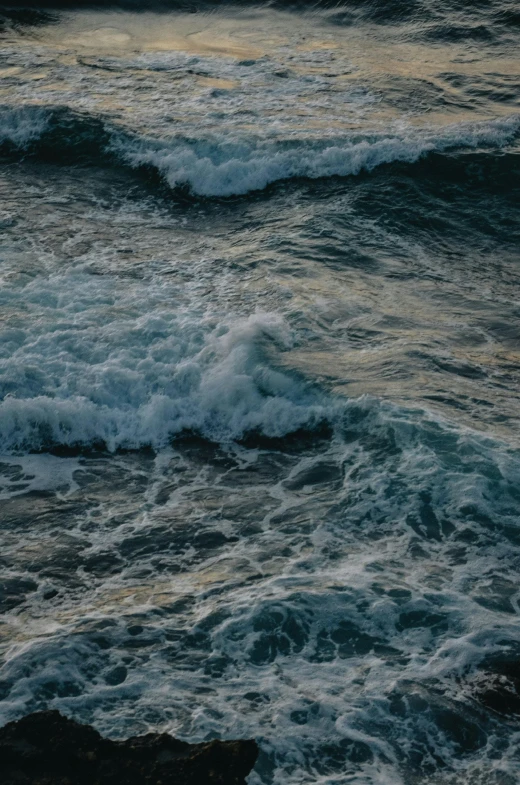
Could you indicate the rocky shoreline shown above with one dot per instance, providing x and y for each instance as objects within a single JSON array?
[{"x": 46, "y": 748}]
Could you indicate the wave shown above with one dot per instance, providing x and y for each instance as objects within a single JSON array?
[
  {"x": 53, "y": 133},
  {"x": 216, "y": 381},
  {"x": 18, "y": 18},
  {"x": 224, "y": 166},
  {"x": 442, "y": 20},
  {"x": 380, "y": 8}
]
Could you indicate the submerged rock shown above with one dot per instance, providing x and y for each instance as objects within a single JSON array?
[
  {"x": 46, "y": 748},
  {"x": 499, "y": 689}
]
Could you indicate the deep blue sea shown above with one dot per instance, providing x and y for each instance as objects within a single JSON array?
[{"x": 260, "y": 378}]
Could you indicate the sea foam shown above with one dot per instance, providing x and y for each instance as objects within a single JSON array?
[
  {"x": 70, "y": 387},
  {"x": 21, "y": 125},
  {"x": 230, "y": 164},
  {"x": 234, "y": 167}
]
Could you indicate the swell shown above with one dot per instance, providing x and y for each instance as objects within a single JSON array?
[
  {"x": 504, "y": 11},
  {"x": 489, "y": 23},
  {"x": 226, "y": 166}
]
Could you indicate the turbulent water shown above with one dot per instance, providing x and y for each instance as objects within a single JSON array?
[{"x": 259, "y": 379}]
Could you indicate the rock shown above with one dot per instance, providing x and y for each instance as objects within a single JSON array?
[
  {"x": 499, "y": 689},
  {"x": 46, "y": 748}
]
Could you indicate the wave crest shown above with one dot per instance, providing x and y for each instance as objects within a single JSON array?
[
  {"x": 223, "y": 391},
  {"x": 230, "y": 166}
]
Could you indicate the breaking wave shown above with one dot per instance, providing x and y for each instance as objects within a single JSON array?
[
  {"x": 225, "y": 166},
  {"x": 217, "y": 382}
]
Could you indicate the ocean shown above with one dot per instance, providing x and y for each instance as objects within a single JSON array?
[{"x": 260, "y": 378}]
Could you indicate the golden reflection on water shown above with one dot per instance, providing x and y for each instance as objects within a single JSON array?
[
  {"x": 113, "y": 601},
  {"x": 358, "y": 55},
  {"x": 223, "y": 84},
  {"x": 370, "y": 55},
  {"x": 395, "y": 343},
  {"x": 372, "y": 50},
  {"x": 104, "y": 32},
  {"x": 12, "y": 71}
]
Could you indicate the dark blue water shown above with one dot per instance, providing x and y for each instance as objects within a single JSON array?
[{"x": 259, "y": 380}]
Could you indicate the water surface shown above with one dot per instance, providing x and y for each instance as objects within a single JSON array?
[{"x": 259, "y": 379}]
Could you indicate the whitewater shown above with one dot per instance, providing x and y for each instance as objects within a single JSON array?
[{"x": 232, "y": 166}]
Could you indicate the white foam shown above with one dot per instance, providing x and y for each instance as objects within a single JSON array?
[
  {"x": 36, "y": 473},
  {"x": 24, "y": 124},
  {"x": 234, "y": 164},
  {"x": 93, "y": 370},
  {"x": 227, "y": 166}
]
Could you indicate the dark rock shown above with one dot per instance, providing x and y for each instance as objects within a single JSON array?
[
  {"x": 47, "y": 749},
  {"x": 499, "y": 689}
]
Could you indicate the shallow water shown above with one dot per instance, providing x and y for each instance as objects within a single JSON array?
[{"x": 259, "y": 380}]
